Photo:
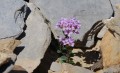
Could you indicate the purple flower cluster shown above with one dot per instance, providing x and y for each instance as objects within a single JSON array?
[
  {"x": 68, "y": 26},
  {"x": 67, "y": 41}
]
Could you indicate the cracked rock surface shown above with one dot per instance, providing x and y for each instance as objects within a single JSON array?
[{"x": 36, "y": 41}]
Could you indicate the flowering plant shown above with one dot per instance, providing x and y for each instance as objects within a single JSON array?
[{"x": 68, "y": 27}]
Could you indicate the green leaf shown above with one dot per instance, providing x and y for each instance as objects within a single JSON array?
[
  {"x": 71, "y": 54},
  {"x": 59, "y": 51},
  {"x": 61, "y": 61},
  {"x": 64, "y": 58},
  {"x": 71, "y": 62},
  {"x": 64, "y": 48}
]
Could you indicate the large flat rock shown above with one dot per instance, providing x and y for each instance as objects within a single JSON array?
[
  {"x": 8, "y": 26},
  {"x": 87, "y": 11},
  {"x": 36, "y": 41}
]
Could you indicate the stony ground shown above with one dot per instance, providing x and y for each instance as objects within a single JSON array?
[{"x": 33, "y": 23}]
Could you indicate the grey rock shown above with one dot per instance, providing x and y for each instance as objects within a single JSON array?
[
  {"x": 8, "y": 26},
  {"x": 87, "y": 11},
  {"x": 77, "y": 69},
  {"x": 36, "y": 41},
  {"x": 56, "y": 66},
  {"x": 102, "y": 32},
  {"x": 112, "y": 69}
]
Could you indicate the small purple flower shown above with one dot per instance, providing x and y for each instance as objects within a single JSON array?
[
  {"x": 69, "y": 26},
  {"x": 67, "y": 41}
]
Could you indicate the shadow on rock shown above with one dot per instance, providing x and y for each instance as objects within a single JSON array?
[
  {"x": 17, "y": 71},
  {"x": 50, "y": 56}
]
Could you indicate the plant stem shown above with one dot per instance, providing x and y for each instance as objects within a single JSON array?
[{"x": 68, "y": 56}]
